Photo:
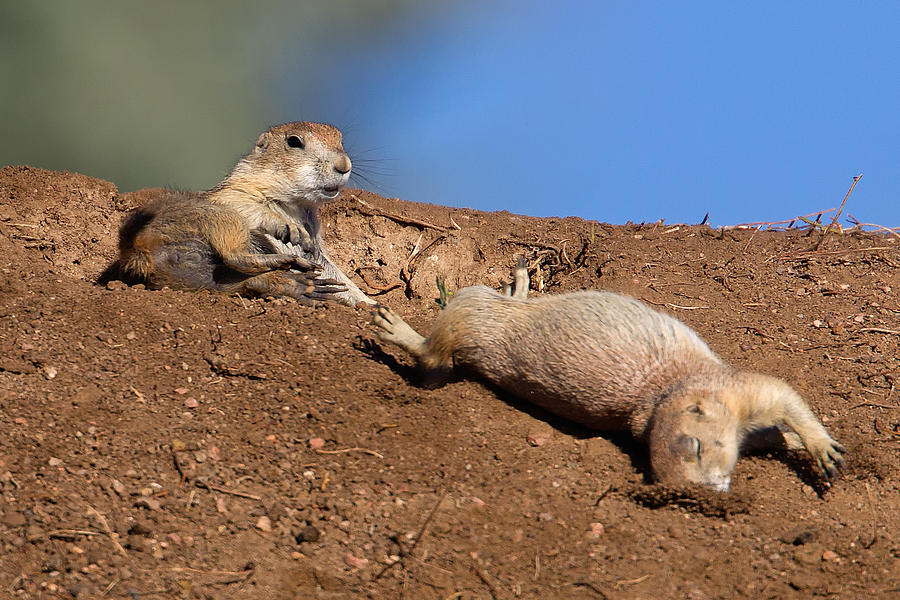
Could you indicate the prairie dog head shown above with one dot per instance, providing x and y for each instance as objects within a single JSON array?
[
  {"x": 694, "y": 439},
  {"x": 299, "y": 163}
]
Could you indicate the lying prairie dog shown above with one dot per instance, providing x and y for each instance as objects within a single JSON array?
[
  {"x": 612, "y": 363},
  {"x": 255, "y": 233}
]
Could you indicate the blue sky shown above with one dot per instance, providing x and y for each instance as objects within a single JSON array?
[
  {"x": 615, "y": 111},
  {"x": 630, "y": 111}
]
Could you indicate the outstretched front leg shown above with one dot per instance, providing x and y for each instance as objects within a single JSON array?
[{"x": 767, "y": 401}]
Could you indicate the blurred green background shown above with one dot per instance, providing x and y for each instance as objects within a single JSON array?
[
  {"x": 617, "y": 110},
  {"x": 170, "y": 93}
]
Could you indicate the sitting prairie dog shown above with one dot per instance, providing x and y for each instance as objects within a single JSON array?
[
  {"x": 182, "y": 241},
  {"x": 265, "y": 212},
  {"x": 612, "y": 363}
]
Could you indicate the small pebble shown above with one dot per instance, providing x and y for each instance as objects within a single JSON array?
[
  {"x": 308, "y": 534},
  {"x": 118, "y": 487},
  {"x": 191, "y": 403},
  {"x": 54, "y": 462},
  {"x": 829, "y": 555},
  {"x": 264, "y": 524},
  {"x": 50, "y": 372},
  {"x": 537, "y": 439},
  {"x": 148, "y": 503},
  {"x": 596, "y": 530},
  {"x": 316, "y": 443},
  {"x": 140, "y": 527},
  {"x": 355, "y": 562}
]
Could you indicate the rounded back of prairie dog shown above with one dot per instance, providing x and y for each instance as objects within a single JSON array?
[{"x": 594, "y": 357}]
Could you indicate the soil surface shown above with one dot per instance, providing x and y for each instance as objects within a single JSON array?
[{"x": 165, "y": 444}]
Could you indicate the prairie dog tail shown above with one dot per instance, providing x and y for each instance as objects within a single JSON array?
[{"x": 137, "y": 244}]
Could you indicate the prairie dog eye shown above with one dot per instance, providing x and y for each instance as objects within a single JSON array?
[
  {"x": 688, "y": 446},
  {"x": 295, "y": 141}
]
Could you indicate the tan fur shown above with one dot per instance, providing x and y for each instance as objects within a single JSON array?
[
  {"x": 182, "y": 242},
  {"x": 263, "y": 216},
  {"x": 612, "y": 363}
]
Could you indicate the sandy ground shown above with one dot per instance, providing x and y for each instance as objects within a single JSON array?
[{"x": 160, "y": 444}]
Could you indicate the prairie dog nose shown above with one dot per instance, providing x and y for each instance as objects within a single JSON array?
[{"x": 342, "y": 164}]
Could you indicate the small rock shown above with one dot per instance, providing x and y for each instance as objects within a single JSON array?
[
  {"x": 355, "y": 562},
  {"x": 13, "y": 519},
  {"x": 33, "y": 533},
  {"x": 264, "y": 524},
  {"x": 829, "y": 555},
  {"x": 808, "y": 555},
  {"x": 537, "y": 439},
  {"x": 214, "y": 453},
  {"x": 596, "y": 530},
  {"x": 138, "y": 543},
  {"x": 545, "y": 516},
  {"x": 220, "y": 505},
  {"x": 82, "y": 590},
  {"x": 316, "y": 443},
  {"x": 148, "y": 503},
  {"x": 799, "y": 536},
  {"x": 115, "y": 285},
  {"x": 130, "y": 335},
  {"x": 181, "y": 391},
  {"x": 477, "y": 501},
  {"x": 118, "y": 487},
  {"x": 308, "y": 534},
  {"x": 52, "y": 563},
  {"x": 54, "y": 462},
  {"x": 50, "y": 372},
  {"x": 818, "y": 323},
  {"x": 191, "y": 403},
  {"x": 140, "y": 527}
]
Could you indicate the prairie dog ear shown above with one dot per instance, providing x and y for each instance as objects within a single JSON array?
[
  {"x": 262, "y": 142},
  {"x": 687, "y": 446}
]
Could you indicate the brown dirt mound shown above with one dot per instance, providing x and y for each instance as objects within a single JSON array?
[{"x": 167, "y": 444}]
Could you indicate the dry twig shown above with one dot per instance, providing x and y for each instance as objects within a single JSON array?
[
  {"x": 113, "y": 536},
  {"x": 495, "y": 593},
  {"x": 771, "y": 224},
  {"x": 839, "y": 211},
  {"x": 878, "y": 330},
  {"x": 379, "y": 289},
  {"x": 374, "y": 211},
  {"x": 354, "y": 449},
  {"x": 422, "y": 531}
]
